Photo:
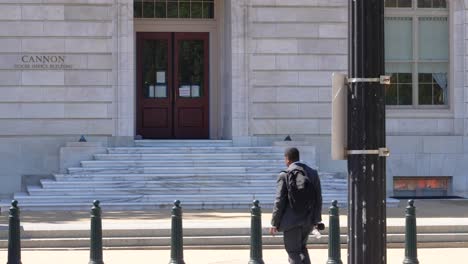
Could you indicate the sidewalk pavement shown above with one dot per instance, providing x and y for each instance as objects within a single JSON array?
[
  {"x": 277, "y": 256},
  {"x": 429, "y": 213}
]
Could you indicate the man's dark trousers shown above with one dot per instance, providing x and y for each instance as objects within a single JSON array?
[{"x": 295, "y": 242}]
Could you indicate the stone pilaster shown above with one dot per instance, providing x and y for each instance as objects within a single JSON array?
[{"x": 124, "y": 69}]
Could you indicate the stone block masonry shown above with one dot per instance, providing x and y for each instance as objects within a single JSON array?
[{"x": 56, "y": 81}]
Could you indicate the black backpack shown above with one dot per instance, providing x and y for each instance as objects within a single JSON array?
[{"x": 300, "y": 190}]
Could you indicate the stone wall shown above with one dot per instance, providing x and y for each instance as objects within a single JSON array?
[
  {"x": 294, "y": 48},
  {"x": 290, "y": 49},
  {"x": 429, "y": 156},
  {"x": 56, "y": 81}
]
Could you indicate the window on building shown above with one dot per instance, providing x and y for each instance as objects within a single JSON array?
[
  {"x": 417, "y": 52},
  {"x": 185, "y": 9},
  {"x": 398, "y": 3}
]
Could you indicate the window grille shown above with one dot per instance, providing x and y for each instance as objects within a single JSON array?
[{"x": 180, "y": 9}]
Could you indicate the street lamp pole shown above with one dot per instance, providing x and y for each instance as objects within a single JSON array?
[{"x": 366, "y": 134}]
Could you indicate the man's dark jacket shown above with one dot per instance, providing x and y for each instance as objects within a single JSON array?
[{"x": 284, "y": 217}]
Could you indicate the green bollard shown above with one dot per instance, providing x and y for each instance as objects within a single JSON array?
[
  {"x": 177, "y": 243},
  {"x": 96, "y": 235},
  {"x": 14, "y": 236},
  {"x": 411, "y": 242},
  {"x": 334, "y": 247},
  {"x": 256, "y": 256}
]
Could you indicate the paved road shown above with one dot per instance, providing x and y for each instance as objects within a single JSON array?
[{"x": 395, "y": 256}]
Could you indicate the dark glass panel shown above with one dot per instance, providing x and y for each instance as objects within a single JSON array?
[
  {"x": 439, "y": 95},
  {"x": 393, "y": 77},
  {"x": 405, "y": 92},
  {"x": 191, "y": 66},
  {"x": 179, "y": 8},
  {"x": 154, "y": 61},
  {"x": 148, "y": 8},
  {"x": 391, "y": 94},
  {"x": 149, "y": 67},
  {"x": 160, "y": 9},
  {"x": 440, "y": 4},
  {"x": 161, "y": 55},
  {"x": 184, "y": 11},
  {"x": 424, "y": 3},
  {"x": 440, "y": 88},
  {"x": 405, "y": 3},
  {"x": 137, "y": 8},
  {"x": 172, "y": 9},
  {"x": 405, "y": 78},
  {"x": 197, "y": 10},
  {"x": 425, "y": 78},
  {"x": 425, "y": 94},
  {"x": 208, "y": 10},
  {"x": 390, "y": 3}
]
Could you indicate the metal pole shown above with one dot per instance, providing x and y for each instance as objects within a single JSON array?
[
  {"x": 14, "y": 236},
  {"x": 366, "y": 131},
  {"x": 334, "y": 247},
  {"x": 411, "y": 242},
  {"x": 256, "y": 255},
  {"x": 96, "y": 235},
  {"x": 177, "y": 243}
]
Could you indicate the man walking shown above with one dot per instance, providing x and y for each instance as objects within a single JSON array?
[{"x": 298, "y": 206}]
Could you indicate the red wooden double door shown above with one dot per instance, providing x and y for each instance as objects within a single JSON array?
[{"x": 173, "y": 85}]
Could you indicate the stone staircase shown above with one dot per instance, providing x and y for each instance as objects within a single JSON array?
[
  {"x": 203, "y": 174},
  {"x": 212, "y": 235}
]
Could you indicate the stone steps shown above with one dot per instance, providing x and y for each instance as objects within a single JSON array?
[
  {"x": 216, "y": 172},
  {"x": 214, "y": 176},
  {"x": 140, "y": 170},
  {"x": 170, "y": 182},
  {"x": 63, "y": 204},
  {"x": 201, "y": 173},
  {"x": 178, "y": 163},
  {"x": 70, "y": 205},
  {"x": 192, "y": 150},
  {"x": 191, "y": 157},
  {"x": 211, "y": 228},
  {"x": 434, "y": 240},
  {"x": 182, "y": 143},
  {"x": 147, "y": 202},
  {"x": 174, "y": 190},
  {"x": 231, "y": 198},
  {"x": 145, "y": 235},
  {"x": 163, "y": 186}
]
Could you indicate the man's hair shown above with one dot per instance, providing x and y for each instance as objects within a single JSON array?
[{"x": 292, "y": 154}]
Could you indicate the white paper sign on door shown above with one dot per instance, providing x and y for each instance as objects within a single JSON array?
[
  {"x": 161, "y": 91},
  {"x": 161, "y": 77},
  {"x": 184, "y": 91},
  {"x": 151, "y": 91},
  {"x": 195, "y": 90}
]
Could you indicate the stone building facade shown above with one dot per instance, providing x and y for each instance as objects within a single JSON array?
[{"x": 77, "y": 67}]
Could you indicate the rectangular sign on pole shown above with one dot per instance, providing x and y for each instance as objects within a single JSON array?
[{"x": 339, "y": 117}]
